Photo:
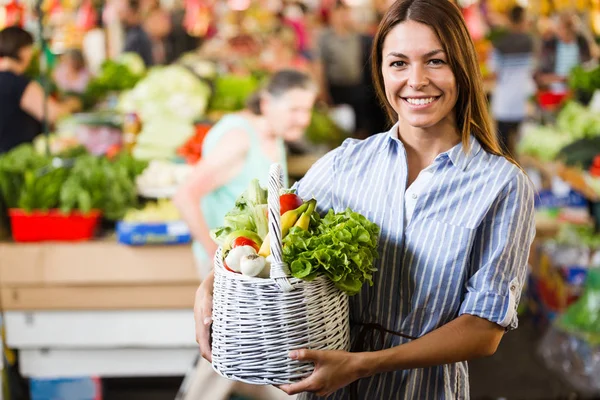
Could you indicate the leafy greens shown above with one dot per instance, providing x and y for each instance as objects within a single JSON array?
[{"x": 342, "y": 246}]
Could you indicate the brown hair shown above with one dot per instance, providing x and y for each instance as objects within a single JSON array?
[
  {"x": 12, "y": 40},
  {"x": 77, "y": 58},
  {"x": 278, "y": 85},
  {"x": 471, "y": 109}
]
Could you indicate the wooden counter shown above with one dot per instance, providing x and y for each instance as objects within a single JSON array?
[{"x": 96, "y": 275}]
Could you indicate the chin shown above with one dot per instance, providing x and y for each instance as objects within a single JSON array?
[{"x": 422, "y": 123}]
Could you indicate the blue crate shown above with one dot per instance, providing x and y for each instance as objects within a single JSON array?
[
  {"x": 548, "y": 199},
  {"x": 84, "y": 388},
  {"x": 164, "y": 233}
]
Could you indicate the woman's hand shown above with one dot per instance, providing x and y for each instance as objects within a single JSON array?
[
  {"x": 333, "y": 371},
  {"x": 203, "y": 315}
]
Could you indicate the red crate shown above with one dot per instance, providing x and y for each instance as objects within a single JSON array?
[{"x": 52, "y": 225}]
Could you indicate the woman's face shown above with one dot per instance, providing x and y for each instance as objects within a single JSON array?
[
  {"x": 289, "y": 115},
  {"x": 419, "y": 83}
]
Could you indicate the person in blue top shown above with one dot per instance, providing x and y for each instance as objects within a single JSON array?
[
  {"x": 456, "y": 218},
  {"x": 241, "y": 147}
]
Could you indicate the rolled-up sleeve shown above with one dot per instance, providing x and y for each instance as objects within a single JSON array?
[
  {"x": 319, "y": 182},
  {"x": 499, "y": 255}
]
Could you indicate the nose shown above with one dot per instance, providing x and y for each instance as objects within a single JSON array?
[{"x": 417, "y": 78}]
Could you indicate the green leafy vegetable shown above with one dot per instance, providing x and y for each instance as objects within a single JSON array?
[
  {"x": 248, "y": 214},
  {"x": 32, "y": 181},
  {"x": 342, "y": 246}
]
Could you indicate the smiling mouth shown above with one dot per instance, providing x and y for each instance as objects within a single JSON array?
[{"x": 420, "y": 101}]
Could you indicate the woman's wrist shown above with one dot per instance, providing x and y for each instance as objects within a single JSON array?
[{"x": 366, "y": 364}]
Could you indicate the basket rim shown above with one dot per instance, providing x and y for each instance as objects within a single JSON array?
[{"x": 218, "y": 266}]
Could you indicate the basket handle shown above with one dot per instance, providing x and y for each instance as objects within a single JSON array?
[{"x": 280, "y": 271}]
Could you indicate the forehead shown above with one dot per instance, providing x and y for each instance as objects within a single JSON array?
[
  {"x": 298, "y": 97},
  {"x": 411, "y": 38}
]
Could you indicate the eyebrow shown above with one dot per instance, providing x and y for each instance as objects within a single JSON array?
[{"x": 427, "y": 55}]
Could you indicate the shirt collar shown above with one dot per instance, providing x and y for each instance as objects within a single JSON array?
[{"x": 457, "y": 155}]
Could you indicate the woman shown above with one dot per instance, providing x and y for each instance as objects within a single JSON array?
[
  {"x": 71, "y": 74},
  {"x": 456, "y": 220},
  {"x": 22, "y": 100},
  {"x": 280, "y": 52},
  {"x": 241, "y": 147}
]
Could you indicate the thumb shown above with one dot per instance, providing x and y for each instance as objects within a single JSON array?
[{"x": 304, "y": 355}]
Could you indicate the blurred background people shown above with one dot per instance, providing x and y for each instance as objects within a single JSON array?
[
  {"x": 340, "y": 58},
  {"x": 241, "y": 147},
  {"x": 21, "y": 99},
  {"x": 565, "y": 50},
  {"x": 137, "y": 39},
  {"x": 71, "y": 74},
  {"x": 511, "y": 63},
  {"x": 157, "y": 25}
]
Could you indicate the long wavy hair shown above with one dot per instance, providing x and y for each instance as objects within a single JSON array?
[{"x": 446, "y": 20}]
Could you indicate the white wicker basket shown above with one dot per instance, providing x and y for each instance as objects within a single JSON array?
[{"x": 257, "y": 321}]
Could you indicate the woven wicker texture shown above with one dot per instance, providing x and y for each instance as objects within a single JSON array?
[{"x": 257, "y": 321}]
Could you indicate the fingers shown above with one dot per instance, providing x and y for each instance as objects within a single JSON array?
[
  {"x": 305, "y": 355},
  {"x": 306, "y": 385},
  {"x": 203, "y": 319}
]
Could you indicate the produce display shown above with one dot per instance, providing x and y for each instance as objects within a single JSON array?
[
  {"x": 33, "y": 181},
  {"x": 341, "y": 246},
  {"x": 574, "y": 123},
  {"x": 191, "y": 150},
  {"x": 162, "y": 210},
  {"x": 115, "y": 76},
  {"x": 161, "y": 178},
  {"x": 168, "y": 118},
  {"x": 156, "y": 223},
  {"x": 585, "y": 80},
  {"x": 583, "y": 317},
  {"x": 231, "y": 92}
]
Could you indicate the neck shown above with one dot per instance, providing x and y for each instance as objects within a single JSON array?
[
  {"x": 341, "y": 30},
  {"x": 424, "y": 145},
  {"x": 265, "y": 132},
  {"x": 8, "y": 65},
  {"x": 518, "y": 28}
]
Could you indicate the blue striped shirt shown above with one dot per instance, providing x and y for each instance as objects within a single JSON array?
[{"x": 464, "y": 251}]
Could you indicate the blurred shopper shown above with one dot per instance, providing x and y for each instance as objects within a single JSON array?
[
  {"x": 281, "y": 51},
  {"x": 21, "y": 99},
  {"x": 242, "y": 147},
  {"x": 71, "y": 74},
  {"x": 157, "y": 25},
  {"x": 136, "y": 38},
  {"x": 512, "y": 64},
  {"x": 94, "y": 46},
  {"x": 567, "y": 49},
  {"x": 341, "y": 56}
]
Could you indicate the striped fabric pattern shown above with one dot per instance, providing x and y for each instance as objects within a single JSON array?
[{"x": 464, "y": 251}]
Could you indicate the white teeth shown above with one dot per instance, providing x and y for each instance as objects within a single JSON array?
[{"x": 420, "y": 102}]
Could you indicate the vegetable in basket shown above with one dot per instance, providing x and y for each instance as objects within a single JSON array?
[{"x": 342, "y": 246}]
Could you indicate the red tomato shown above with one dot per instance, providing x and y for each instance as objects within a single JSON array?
[
  {"x": 289, "y": 202},
  {"x": 242, "y": 241}
]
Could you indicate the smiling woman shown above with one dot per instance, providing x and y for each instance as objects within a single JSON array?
[{"x": 456, "y": 219}]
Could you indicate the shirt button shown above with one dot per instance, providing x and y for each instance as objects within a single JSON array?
[
  {"x": 414, "y": 196},
  {"x": 513, "y": 288}
]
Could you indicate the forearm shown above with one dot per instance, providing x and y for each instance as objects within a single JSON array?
[
  {"x": 464, "y": 338},
  {"x": 190, "y": 212}
]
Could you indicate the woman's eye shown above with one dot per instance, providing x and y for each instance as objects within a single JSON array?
[
  {"x": 397, "y": 64},
  {"x": 437, "y": 61}
]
